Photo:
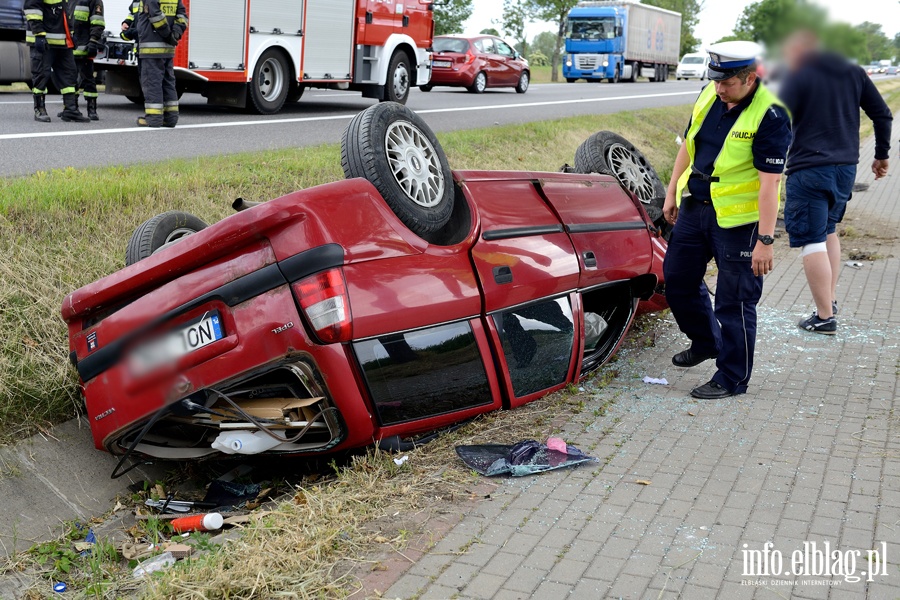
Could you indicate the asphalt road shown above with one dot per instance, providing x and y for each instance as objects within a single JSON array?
[{"x": 27, "y": 146}]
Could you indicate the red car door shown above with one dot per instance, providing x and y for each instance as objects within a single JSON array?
[
  {"x": 606, "y": 227},
  {"x": 507, "y": 67},
  {"x": 528, "y": 272}
]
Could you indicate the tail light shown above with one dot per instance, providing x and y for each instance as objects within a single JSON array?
[
  {"x": 470, "y": 58},
  {"x": 324, "y": 300}
]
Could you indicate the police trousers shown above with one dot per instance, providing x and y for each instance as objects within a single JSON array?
[
  {"x": 730, "y": 330},
  {"x": 86, "y": 81},
  {"x": 57, "y": 62},
  {"x": 160, "y": 95}
]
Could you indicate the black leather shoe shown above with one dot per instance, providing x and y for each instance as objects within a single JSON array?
[
  {"x": 711, "y": 391},
  {"x": 689, "y": 358}
]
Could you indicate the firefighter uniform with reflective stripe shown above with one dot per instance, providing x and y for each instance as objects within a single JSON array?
[
  {"x": 51, "y": 52},
  {"x": 87, "y": 23},
  {"x": 160, "y": 23},
  {"x": 728, "y": 144}
]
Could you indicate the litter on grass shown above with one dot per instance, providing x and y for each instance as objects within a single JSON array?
[
  {"x": 662, "y": 381},
  {"x": 525, "y": 458}
]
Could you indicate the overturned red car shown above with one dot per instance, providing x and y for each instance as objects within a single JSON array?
[{"x": 402, "y": 300}]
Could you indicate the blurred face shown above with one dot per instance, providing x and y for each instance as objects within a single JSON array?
[{"x": 733, "y": 90}]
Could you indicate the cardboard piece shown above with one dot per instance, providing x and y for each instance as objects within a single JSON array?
[{"x": 275, "y": 409}]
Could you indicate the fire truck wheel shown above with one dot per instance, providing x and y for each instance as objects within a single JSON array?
[
  {"x": 396, "y": 89},
  {"x": 610, "y": 154},
  {"x": 393, "y": 148},
  {"x": 269, "y": 88},
  {"x": 295, "y": 92},
  {"x": 136, "y": 99},
  {"x": 160, "y": 232}
]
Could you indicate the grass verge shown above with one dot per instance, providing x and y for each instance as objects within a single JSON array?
[{"x": 62, "y": 229}]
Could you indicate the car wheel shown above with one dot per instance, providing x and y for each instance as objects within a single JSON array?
[
  {"x": 268, "y": 90},
  {"x": 426, "y": 88},
  {"x": 394, "y": 149},
  {"x": 160, "y": 232},
  {"x": 610, "y": 154},
  {"x": 524, "y": 81},
  {"x": 398, "y": 82},
  {"x": 571, "y": 80},
  {"x": 479, "y": 84}
]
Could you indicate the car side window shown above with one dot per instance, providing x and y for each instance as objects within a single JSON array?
[
  {"x": 487, "y": 46},
  {"x": 503, "y": 49},
  {"x": 537, "y": 342}
]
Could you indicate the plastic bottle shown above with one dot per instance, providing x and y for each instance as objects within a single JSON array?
[
  {"x": 209, "y": 522},
  {"x": 245, "y": 442},
  {"x": 155, "y": 563}
]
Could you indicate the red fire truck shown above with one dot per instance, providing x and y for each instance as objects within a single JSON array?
[{"x": 260, "y": 54}]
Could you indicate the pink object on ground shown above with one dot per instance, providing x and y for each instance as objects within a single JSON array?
[{"x": 557, "y": 444}]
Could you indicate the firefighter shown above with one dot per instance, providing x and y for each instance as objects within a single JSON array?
[
  {"x": 160, "y": 24},
  {"x": 87, "y": 23},
  {"x": 47, "y": 33},
  {"x": 129, "y": 31}
]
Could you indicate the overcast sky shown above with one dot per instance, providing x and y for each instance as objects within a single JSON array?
[{"x": 719, "y": 16}]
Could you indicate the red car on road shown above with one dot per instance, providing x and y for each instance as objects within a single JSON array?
[
  {"x": 402, "y": 300},
  {"x": 477, "y": 63}
]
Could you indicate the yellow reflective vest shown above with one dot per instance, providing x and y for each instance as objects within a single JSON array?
[{"x": 734, "y": 188}]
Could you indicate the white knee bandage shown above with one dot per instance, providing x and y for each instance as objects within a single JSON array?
[{"x": 813, "y": 248}]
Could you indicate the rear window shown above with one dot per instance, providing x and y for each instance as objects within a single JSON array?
[
  {"x": 451, "y": 45},
  {"x": 693, "y": 60}
]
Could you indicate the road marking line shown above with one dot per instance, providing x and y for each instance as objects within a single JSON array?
[{"x": 46, "y": 134}]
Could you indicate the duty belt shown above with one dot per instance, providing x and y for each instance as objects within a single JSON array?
[{"x": 697, "y": 174}]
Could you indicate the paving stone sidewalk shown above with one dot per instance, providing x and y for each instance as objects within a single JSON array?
[{"x": 810, "y": 454}]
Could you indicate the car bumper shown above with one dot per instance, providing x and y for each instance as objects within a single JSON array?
[{"x": 453, "y": 76}]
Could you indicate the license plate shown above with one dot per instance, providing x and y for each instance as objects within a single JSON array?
[
  {"x": 442, "y": 63},
  {"x": 170, "y": 347}
]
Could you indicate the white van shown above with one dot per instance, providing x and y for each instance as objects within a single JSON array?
[{"x": 693, "y": 65}]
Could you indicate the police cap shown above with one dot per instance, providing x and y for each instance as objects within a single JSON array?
[{"x": 726, "y": 59}]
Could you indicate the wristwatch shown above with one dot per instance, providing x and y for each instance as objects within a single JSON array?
[{"x": 767, "y": 240}]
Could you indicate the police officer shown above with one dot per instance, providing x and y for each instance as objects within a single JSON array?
[
  {"x": 87, "y": 23},
  {"x": 160, "y": 23},
  {"x": 47, "y": 33},
  {"x": 730, "y": 163}
]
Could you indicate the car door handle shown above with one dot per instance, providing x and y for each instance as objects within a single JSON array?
[
  {"x": 503, "y": 275},
  {"x": 590, "y": 261}
]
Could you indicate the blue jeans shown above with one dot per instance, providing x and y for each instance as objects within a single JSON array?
[
  {"x": 815, "y": 201},
  {"x": 730, "y": 331}
]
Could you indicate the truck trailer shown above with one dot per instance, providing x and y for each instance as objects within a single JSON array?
[
  {"x": 260, "y": 54},
  {"x": 621, "y": 40}
]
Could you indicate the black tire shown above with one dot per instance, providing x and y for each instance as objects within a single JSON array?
[
  {"x": 295, "y": 92},
  {"x": 480, "y": 84},
  {"x": 615, "y": 77},
  {"x": 136, "y": 99},
  {"x": 426, "y": 88},
  {"x": 524, "y": 82},
  {"x": 399, "y": 79},
  {"x": 268, "y": 90},
  {"x": 389, "y": 138},
  {"x": 571, "y": 80},
  {"x": 634, "y": 73},
  {"x": 610, "y": 154},
  {"x": 159, "y": 232}
]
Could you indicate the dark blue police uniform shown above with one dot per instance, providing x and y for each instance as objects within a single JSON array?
[{"x": 729, "y": 332}]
